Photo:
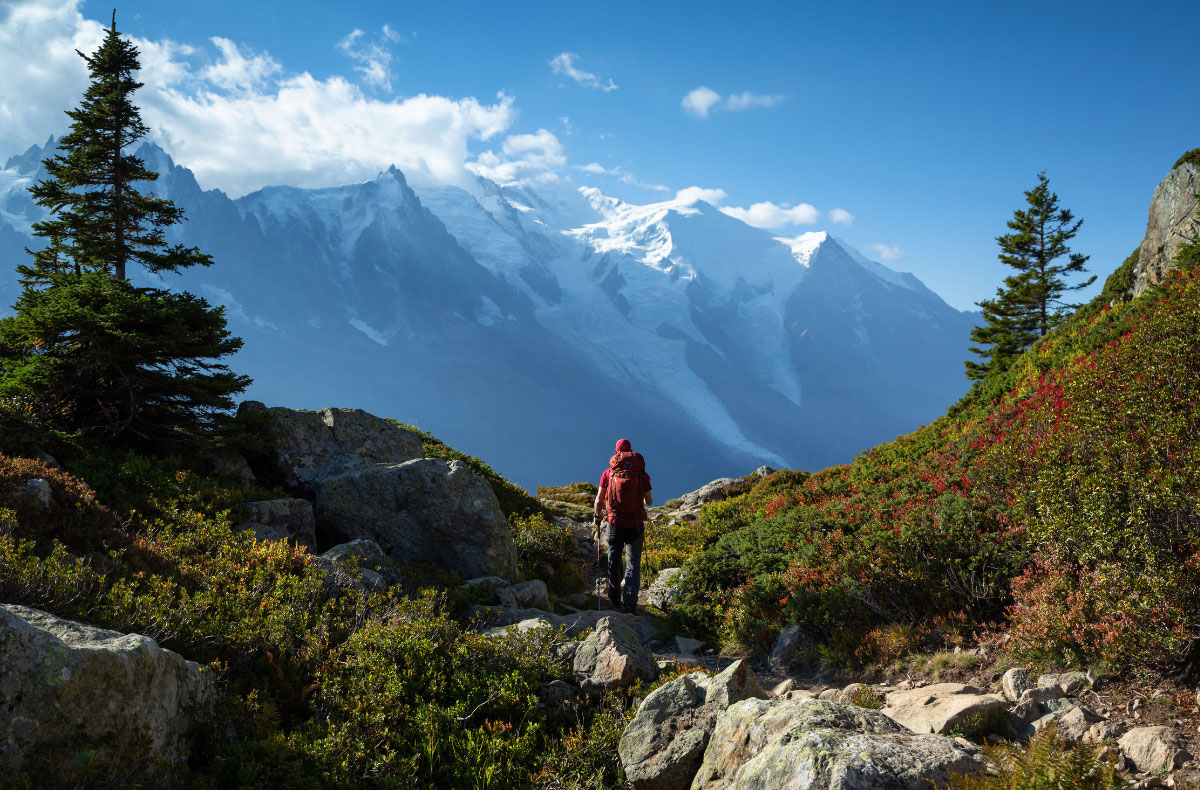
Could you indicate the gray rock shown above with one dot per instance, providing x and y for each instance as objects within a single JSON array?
[
  {"x": 829, "y": 695},
  {"x": 556, "y": 696},
  {"x": 1027, "y": 712},
  {"x": 37, "y": 493},
  {"x": 846, "y": 695},
  {"x": 422, "y": 511},
  {"x": 572, "y": 624},
  {"x": 1016, "y": 682},
  {"x": 311, "y": 445},
  {"x": 710, "y": 492},
  {"x": 663, "y": 746},
  {"x": 788, "y": 646},
  {"x": 943, "y": 707},
  {"x": 1075, "y": 723},
  {"x": 763, "y": 471},
  {"x": 1154, "y": 749},
  {"x": 374, "y": 567},
  {"x": 1045, "y": 694},
  {"x": 687, "y": 645},
  {"x": 578, "y": 600},
  {"x": 1067, "y": 682},
  {"x": 76, "y": 687},
  {"x": 498, "y": 591},
  {"x": 1171, "y": 222},
  {"x": 521, "y": 627},
  {"x": 811, "y": 744},
  {"x": 532, "y": 594},
  {"x": 663, "y": 593},
  {"x": 612, "y": 657},
  {"x": 281, "y": 519},
  {"x": 229, "y": 463},
  {"x": 1103, "y": 731}
]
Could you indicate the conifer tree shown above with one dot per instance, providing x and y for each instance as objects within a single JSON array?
[
  {"x": 88, "y": 352},
  {"x": 1030, "y": 303}
]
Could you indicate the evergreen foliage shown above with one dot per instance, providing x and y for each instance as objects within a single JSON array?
[
  {"x": 88, "y": 353},
  {"x": 1030, "y": 304}
]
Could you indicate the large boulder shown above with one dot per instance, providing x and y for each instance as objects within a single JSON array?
[
  {"x": 805, "y": 744},
  {"x": 943, "y": 707},
  {"x": 663, "y": 747},
  {"x": 310, "y": 445},
  {"x": 1172, "y": 221},
  {"x": 67, "y": 688},
  {"x": 421, "y": 511},
  {"x": 612, "y": 657},
  {"x": 1154, "y": 750},
  {"x": 281, "y": 519}
]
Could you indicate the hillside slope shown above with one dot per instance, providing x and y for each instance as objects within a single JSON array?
[{"x": 1058, "y": 501}]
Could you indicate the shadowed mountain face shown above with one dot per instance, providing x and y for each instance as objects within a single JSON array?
[{"x": 533, "y": 326}]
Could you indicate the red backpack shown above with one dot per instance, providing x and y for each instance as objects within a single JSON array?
[{"x": 625, "y": 496}]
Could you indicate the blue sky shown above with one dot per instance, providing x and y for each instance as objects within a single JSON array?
[{"x": 924, "y": 122}]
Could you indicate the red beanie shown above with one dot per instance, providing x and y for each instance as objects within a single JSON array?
[{"x": 623, "y": 446}]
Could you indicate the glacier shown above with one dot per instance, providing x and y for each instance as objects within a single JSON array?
[{"x": 534, "y": 324}]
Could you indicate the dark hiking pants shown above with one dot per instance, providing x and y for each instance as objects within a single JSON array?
[{"x": 629, "y": 540}]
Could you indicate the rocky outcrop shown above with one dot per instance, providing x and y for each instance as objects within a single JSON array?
[
  {"x": 70, "y": 687},
  {"x": 709, "y": 492},
  {"x": 421, "y": 511},
  {"x": 281, "y": 519},
  {"x": 612, "y": 657},
  {"x": 664, "y": 591},
  {"x": 943, "y": 707},
  {"x": 1171, "y": 223},
  {"x": 663, "y": 746},
  {"x": 310, "y": 445},
  {"x": 805, "y": 744}
]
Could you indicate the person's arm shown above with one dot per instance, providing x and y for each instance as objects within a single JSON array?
[
  {"x": 598, "y": 504},
  {"x": 649, "y": 497}
]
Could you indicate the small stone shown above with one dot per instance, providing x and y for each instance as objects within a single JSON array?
[
  {"x": 829, "y": 694},
  {"x": 783, "y": 687},
  {"x": 37, "y": 492},
  {"x": 1015, "y": 682}
]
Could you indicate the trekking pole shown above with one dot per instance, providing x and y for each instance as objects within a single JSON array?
[{"x": 596, "y": 537}]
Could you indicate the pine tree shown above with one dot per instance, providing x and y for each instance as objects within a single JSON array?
[
  {"x": 1030, "y": 303},
  {"x": 88, "y": 352}
]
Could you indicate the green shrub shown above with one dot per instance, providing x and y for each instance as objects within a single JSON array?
[{"x": 540, "y": 542}]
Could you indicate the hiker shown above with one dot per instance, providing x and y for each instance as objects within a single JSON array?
[{"x": 621, "y": 502}]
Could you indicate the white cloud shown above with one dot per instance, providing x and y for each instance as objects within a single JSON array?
[
  {"x": 886, "y": 252},
  {"x": 564, "y": 63},
  {"x": 373, "y": 55},
  {"x": 770, "y": 215},
  {"x": 839, "y": 216},
  {"x": 621, "y": 174},
  {"x": 749, "y": 101},
  {"x": 236, "y": 118},
  {"x": 234, "y": 71},
  {"x": 704, "y": 100},
  {"x": 522, "y": 157},
  {"x": 700, "y": 101},
  {"x": 714, "y": 197}
]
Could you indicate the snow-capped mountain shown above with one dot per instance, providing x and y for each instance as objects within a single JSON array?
[{"x": 535, "y": 325}]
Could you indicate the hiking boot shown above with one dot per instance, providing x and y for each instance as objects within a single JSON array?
[
  {"x": 614, "y": 597},
  {"x": 629, "y": 608}
]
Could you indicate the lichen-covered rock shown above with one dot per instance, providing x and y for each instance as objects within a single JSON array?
[
  {"x": 1172, "y": 220},
  {"x": 310, "y": 445},
  {"x": 788, "y": 646},
  {"x": 663, "y": 746},
  {"x": 493, "y": 590},
  {"x": 1016, "y": 682},
  {"x": 612, "y": 657},
  {"x": 375, "y": 569},
  {"x": 1073, "y": 724},
  {"x": 281, "y": 519},
  {"x": 663, "y": 593},
  {"x": 942, "y": 707},
  {"x": 572, "y": 624},
  {"x": 422, "y": 511},
  {"x": 71, "y": 687},
  {"x": 811, "y": 744},
  {"x": 1154, "y": 749}
]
